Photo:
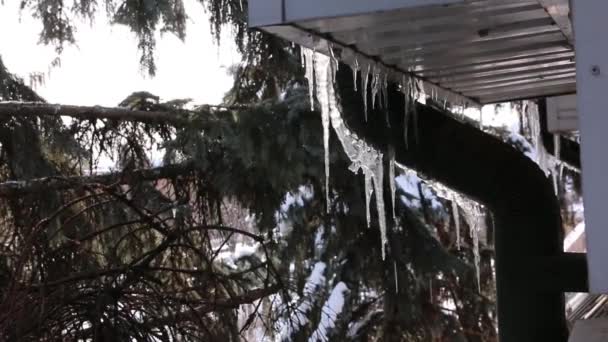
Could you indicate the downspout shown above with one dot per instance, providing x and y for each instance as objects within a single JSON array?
[{"x": 532, "y": 272}]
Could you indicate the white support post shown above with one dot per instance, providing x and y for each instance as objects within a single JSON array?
[{"x": 590, "y": 30}]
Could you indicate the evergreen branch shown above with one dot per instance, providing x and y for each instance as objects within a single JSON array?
[
  {"x": 37, "y": 185},
  {"x": 172, "y": 116},
  {"x": 217, "y": 305}
]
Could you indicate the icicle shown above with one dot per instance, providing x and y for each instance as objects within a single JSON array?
[
  {"x": 378, "y": 177},
  {"x": 396, "y": 277},
  {"x": 375, "y": 82},
  {"x": 557, "y": 146},
  {"x": 414, "y": 96},
  {"x": 537, "y": 141},
  {"x": 475, "y": 237},
  {"x": 474, "y": 218},
  {"x": 364, "y": 80},
  {"x": 334, "y": 59},
  {"x": 308, "y": 62},
  {"x": 554, "y": 177},
  {"x": 384, "y": 97},
  {"x": 406, "y": 112},
  {"x": 456, "y": 215},
  {"x": 355, "y": 67},
  {"x": 385, "y": 90},
  {"x": 368, "y": 195},
  {"x": 391, "y": 176},
  {"x": 362, "y": 156},
  {"x": 325, "y": 120}
]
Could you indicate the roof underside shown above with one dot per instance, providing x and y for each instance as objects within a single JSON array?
[{"x": 487, "y": 51}]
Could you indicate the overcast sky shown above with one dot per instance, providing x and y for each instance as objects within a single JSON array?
[{"x": 104, "y": 68}]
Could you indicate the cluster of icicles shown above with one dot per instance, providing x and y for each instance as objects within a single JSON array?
[
  {"x": 473, "y": 214},
  {"x": 321, "y": 73},
  {"x": 550, "y": 164}
]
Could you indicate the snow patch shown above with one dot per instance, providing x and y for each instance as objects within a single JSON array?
[{"x": 330, "y": 312}]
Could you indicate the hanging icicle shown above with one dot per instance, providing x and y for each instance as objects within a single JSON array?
[
  {"x": 355, "y": 68},
  {"x": 456, "y": 216},
  {"x": 308, "y": 58},
  {"x": 368, "y": 196},
  {"x": 334, "y": 60},
  {"x": 325, "y": 121},
  {"x": 364, "y": 80},
  {"x": 375, "y": 84},
  {"x": 385, "y": 90},
  {"x": 414, "y": 95},
  {"x": 391, "y": 176},
  {"x": 396, "y": 277},
  {"x": 480, "y": 222},
  {"x": 362, "y": 156},
  {"x": 308, "y": 62},
  {"x": 542, "y": 157},
  {"x": 557, "y": 146},
  {"x": 384, "y": 97},
  {"x": 406, "y": 88},
  {"x": 377, "y": 169},
  {"x": 476, "y": 220}
]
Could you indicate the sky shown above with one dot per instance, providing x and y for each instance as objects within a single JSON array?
[{"x": 103, "y": 68}]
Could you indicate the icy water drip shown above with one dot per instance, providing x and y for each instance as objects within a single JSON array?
[{"x": 362, "y": 156}]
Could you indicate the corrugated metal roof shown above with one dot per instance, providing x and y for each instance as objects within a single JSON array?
[{"x": 485, "y": 50}]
